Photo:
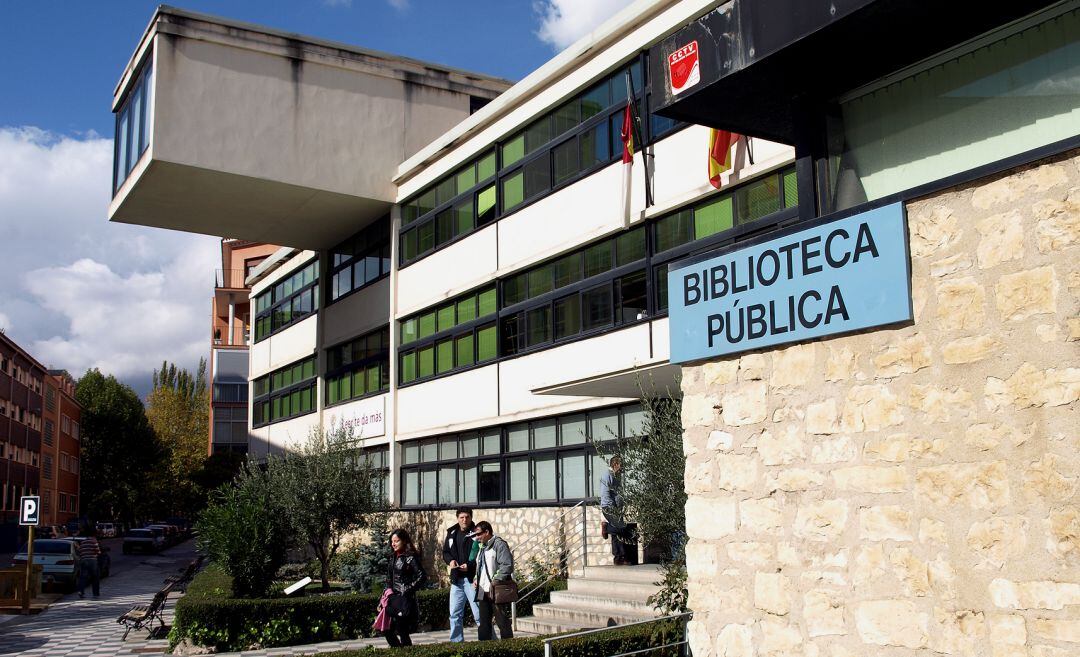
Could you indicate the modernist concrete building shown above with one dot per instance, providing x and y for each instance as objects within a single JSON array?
[
  {"x": 887, "y": 463},
  {"x": 230, "y": 330}
]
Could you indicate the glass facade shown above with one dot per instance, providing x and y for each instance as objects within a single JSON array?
[
  {"x": 360, "y": 260},
  {"x": 288, "y": 301},
  {"x": 133, "y": 125},
  {"x": 285, "y": 393},
  {"x": 358, "y": 368}
]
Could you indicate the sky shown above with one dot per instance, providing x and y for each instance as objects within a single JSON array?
[{"x": 78, "y": 292}]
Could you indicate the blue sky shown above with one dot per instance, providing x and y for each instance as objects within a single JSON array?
[{"x": 80, "y": 292}]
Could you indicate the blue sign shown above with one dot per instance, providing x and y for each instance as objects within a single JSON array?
[{"x": 840, "y": 276}]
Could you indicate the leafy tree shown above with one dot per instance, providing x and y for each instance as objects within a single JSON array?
[
  {"x": 245, "y": 529},
  {"x": 329, "y": 491},
  {"x": 119, "y": 451},
  {"x": 178, "y": 408},
  {"x": 653, "y": 490},
  {"x": 217, "y": 470}
]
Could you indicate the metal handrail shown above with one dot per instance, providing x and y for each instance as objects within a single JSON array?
[
  {"x": 686, "y": 614},
  {"x": 564, "y": 559},
  {"x": 541, "y": 532}
]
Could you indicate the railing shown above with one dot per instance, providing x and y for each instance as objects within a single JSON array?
[
  {"x": 682, "y": 645},
  {"x": 240, "y": 336},
  {"x": 233, "y": 278},
  {"x": 539, "y": 545}
]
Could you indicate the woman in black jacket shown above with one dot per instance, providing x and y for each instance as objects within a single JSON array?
[{"x": 404, "y": 576}]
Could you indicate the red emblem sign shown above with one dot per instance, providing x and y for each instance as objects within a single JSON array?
[{"x": 684, "y": 68}]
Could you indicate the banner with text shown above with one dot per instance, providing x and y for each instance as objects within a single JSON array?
[
  {"x": 365, "y": 418},
  {"x": 839, "y": 276}
]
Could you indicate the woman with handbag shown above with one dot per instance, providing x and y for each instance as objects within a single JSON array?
[
  {"x": 405, "y": 575},
  {"x": 495, "y": 585}
]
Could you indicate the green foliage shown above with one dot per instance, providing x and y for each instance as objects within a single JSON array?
[
  {"x": 325, "y": 492},
  {"x": 364, "y": 565},
  {"x": 178, "y": 410},
  {"x": 208, "y": 616},
  {"x": 616, "y": 641},
  {"x": 245, "y": 530},
  {"x": 119, "y": 452},
  {"x": 673, "y": 594}
]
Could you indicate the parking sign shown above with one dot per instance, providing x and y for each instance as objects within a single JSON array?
[{"x": 29, "y": 510}]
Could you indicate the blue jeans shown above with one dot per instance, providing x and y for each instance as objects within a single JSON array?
[
  {"x": 89, "y": 570},
  {"x": 461, "y": 592}
]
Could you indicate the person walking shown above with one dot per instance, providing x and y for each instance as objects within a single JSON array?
[
  {"x": 405, "y": 575},
  {"x": 611, "y": 505},
  {"x": 89, "y": 551},
  {"x": 459, "y": 553},
  {"x": 494, "y": 563}
]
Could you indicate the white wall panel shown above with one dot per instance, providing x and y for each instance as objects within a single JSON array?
[
  {"x": 296, "y": 342},
  {"x": 661, "y": 339},
  {"x": 368, "y": 418},
  {"x": 356, "y": 314},
  {"x": 449, "y": 404},
  {"x": 291, "y": 434},
  {"x": 604, "y": 354},
  {"x": 457, "y": 268}
]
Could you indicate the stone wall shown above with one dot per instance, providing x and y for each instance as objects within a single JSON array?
[
  {"x": 912, "y": 490},
  {"x": 559, "y": 531}
]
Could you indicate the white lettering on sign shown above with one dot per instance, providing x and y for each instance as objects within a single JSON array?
[
  {"x": 684, "y": 68},
  {"x": 29, "y": 510}
]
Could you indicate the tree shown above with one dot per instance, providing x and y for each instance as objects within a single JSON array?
[
  {"x": 177, "y": 408},
  {"x": 119, "y": 450},
  {"x": 653, "y": 489},
  {"x": 245, "y": 529},
  {"x": 329, "y": 490}
]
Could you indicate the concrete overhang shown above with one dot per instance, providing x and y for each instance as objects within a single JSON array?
[
  {"x": 268, "y": 136},
  {"x": 660, "y": 379}
]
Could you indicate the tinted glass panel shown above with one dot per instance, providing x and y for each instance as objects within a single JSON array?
[{"x": 596, "y": 307}]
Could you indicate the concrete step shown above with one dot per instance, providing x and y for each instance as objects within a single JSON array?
[
  {"x": 605, "y": 588},
  {"x": 643, "y": 574},
  {"x": 597, "y": 617},
  {"x": 611, "y": 602},
  {"x": 543, "y": 626}
]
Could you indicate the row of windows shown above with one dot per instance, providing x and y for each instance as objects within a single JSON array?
[
  {"x": 11, "y": 495},
  {"x": 360, "y": 260},
  {"x": 19, "y": 414},
  {"x": 544, "y": 460},
  {"x": 49, "y": 433},
  {"x": 68, "y": 503},
  {"x": 230, "y": 425},
  {"x": 230, "y": 392},
  {"x": 132, "y": 127},
  {"x": 20, "y": 374},
  {"x": 47, "y": 466},
  {"x": 556, "y": 148},
  {"x": 359, "y": 367},
  {"x": 69, "y": 426},
  {"x": 285, "y": 393},
  {"x": 69, "y": 463},
  {"x": 288, "y": 301},
  {"x": 604, "y": 284}
]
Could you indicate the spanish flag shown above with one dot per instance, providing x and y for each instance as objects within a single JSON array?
[
  {"x": 627, "y": 134},
  {"x": 720, "y": 157}
]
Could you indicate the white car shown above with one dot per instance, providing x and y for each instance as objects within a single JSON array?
[
  {"x": 106, "y": 530},
  {"x": 58, "y": 558}
]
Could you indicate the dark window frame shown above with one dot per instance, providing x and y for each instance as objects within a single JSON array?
[
  {"x": 268, "y": 313},
  {"x": 272, "y": 394},
  {"x": 375, "y": 238},
  {"x": 142, "y": 77},
  {"x": 382, "y": 358}
]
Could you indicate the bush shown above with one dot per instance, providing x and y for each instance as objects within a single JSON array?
[
  {"x": 364, "y": 566},
  {"x": 208, "y": 616},
  {"x": 608, "y": 643}
]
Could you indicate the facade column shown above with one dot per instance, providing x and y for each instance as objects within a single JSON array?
[{"x": 232, "y": 318}]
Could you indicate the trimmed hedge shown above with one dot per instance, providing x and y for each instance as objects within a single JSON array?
[
  {"x": 614, "y": 642},
  {"x": 207, "y": 616}
]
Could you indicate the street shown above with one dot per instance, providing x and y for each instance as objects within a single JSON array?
[{"x": 79, "y": 628}]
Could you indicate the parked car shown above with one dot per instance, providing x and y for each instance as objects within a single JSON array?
[
  {"x": 50, "y": 531},
  {"x": 169, "y": 532},
  {"x": 57, "y": 558},
  {"x": 107, "y": 530},
  {"x": 104, "y": 560},
  {"x": 143, "y": 540}
]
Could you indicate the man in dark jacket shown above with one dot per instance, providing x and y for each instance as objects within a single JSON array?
[{"x": 459, "y": 553}]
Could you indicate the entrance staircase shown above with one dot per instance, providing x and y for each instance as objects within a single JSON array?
[{"x": 604, "y": 596}]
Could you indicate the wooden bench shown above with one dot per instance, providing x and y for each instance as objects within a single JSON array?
[
  {"x": 141, "y": 617},
  {"x": 181, "y": 581}
]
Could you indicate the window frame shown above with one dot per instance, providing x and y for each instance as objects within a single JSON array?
[
  {"x": 275, "y": 304},
  {"x": 382, "y": 358},
  {"x": 274, "y": 394}
]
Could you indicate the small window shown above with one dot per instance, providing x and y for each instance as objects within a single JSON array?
[
  {"x": 539, "y": 326},
  {"x": 596, "y": 307},
  {"x": 567, "y": 316},
  {"x": 485, "y": 206},
  {"x": 713, "y": 218},
  {"x": 598, "y": 259}
]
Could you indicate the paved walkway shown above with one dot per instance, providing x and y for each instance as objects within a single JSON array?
[{"x": 87, "y": 628}]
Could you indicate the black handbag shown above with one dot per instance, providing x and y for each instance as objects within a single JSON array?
[{"x": 504, "y": 591}]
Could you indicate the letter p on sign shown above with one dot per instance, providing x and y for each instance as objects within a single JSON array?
[{"x": 29, "y": 510}]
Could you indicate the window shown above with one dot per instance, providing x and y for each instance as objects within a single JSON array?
[
  {"x": 457, "y": 334},
  {"x": 47, "y": 466},
  {"x": 230, "y": 392},
  {"x": 290, "y": 300},
  {"x": 285, "y": 393},
  {"x": 358, "y": 368},
  {"x": 976, "y": 104},
  {"x": 574, "y": 139},
  {"x": 544, "y": 460},
  {"x": 49, "y": 435},
  {"x": 133, "y": 127},
  {"x": 360, "y": 260}
]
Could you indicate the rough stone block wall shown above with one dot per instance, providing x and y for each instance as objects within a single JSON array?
[
  {"x": 558, "y": 528},
  {"x": 913, "y": 490}
]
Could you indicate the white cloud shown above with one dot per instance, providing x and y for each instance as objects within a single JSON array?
[
  {"x": 5, "y": 323},
  {"x": 79, "y": 291},
  {"x": 562, "y": 22},
  {"x": 400, "y": 5}
]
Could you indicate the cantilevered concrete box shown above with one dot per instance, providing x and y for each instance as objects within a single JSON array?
[{"x": 268, "y": 136}]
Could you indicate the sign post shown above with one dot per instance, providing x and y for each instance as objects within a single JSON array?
[{"x": 30, "y": 516}]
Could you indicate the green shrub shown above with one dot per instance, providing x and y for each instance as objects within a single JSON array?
[
  {"x": 364, "y": 565},
  {"x": 208, "y": 616},
  {"x": 607, "y": 643}
]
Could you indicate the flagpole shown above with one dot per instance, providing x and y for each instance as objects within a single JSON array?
[{"x": 638, "y": 139}]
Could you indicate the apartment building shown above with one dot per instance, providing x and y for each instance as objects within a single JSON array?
[
  {"x": 60, "y": 450},
  {"x": 230, "y": 330},
  {"x": 22, "y": 386},
  {"x": 892, "y": 371}
]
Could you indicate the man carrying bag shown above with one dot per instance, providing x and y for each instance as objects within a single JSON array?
[{"x": 495, "y": 585}]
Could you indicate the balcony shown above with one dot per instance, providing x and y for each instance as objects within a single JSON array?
[
  {"x": 230, "y": 129},
  {"x": 232, "y": 279},
  {"x": 240, "y": 336}
]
